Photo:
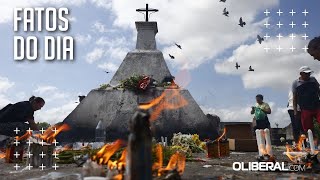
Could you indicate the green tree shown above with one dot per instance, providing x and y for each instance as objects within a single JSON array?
[{"x": 43, "y": 125}]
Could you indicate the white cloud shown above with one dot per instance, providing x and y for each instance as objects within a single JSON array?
[
  {"x": 101, "y": 28},
  {"x": 102, "y": 3},
  {"x": 94, "y": 55},
  {"x": 6, "y": 7},
  {"x": 242, "y": 114},
  {"x": 198, "y": 26},
  {"x": 45, "y": 89},
  {"x": 51, "y": 93},
  {"x": 55, "y": 114},
  {"x": 273, "y": 69},
  {"x": 83, "y": 39},
  {"x": 5, "y": 84},
  {"x": 108, "y": 66}
]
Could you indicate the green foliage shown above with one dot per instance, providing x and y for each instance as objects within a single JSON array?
[
  {"x": 131, "y": 83},
  {"x": 104, "y": 86},
  {"x": 187, "y": 141},
  {"x": 43, "y": 125}
]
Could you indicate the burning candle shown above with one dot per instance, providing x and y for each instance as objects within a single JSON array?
[
  {"x": 268, "y": 142},
  {"x": 258, "y": 136},
  {"x": 310, "y": 136}
]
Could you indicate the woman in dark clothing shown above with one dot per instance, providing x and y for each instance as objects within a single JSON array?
[{"x": 20, "y": 115}]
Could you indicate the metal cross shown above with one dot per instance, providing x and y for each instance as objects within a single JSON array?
[
  {"x": 279, "y": 12},
  {"x": 16, "y": 130},
  {"x": 292, "y": 24},
  {"x": 147, "y": 10},
  {"x": 42, "y": 154},
  {"x": 305, "y": 12},
  {"x": 305, "y": 24},
  {"x": 29, "y": 167},
  {"x": 29, "y": 154},
  {"x": 267, "y": 12},
  {"x": 55, "y": 166},
  {"x": 292, "y": 12},
  {"x": 305, "y": 36},
  {"x": 16, "y": 154},
  {"x": 292, "y": 36},
  {"x": 16, "y": 167},
  {"x": 279, "y": 24},
  {"x": 42, "y": 167},
  {"x": 267, "y": 24}
]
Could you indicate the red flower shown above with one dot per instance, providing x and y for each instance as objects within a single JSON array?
[{"x": 144, "y": 82}]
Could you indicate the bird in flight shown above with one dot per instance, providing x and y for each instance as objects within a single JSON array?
[
  {"x": 225, "y": 12},
  {"x": 172, "y": 57},
  {"x": 223, "y": 1},
  {"x": 237, "y": 65},
  {"x": 179, "y": 46},
  {"x": 250, "y": 68},
  {"x": 241, "y": 22},
  {"x": 107, "y": 72},
  {"x": 260, "y": 39}
]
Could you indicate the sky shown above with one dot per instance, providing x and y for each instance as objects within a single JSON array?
[{"x": 104, "y": 31}]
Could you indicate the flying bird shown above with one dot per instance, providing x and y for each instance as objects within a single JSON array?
[
  {"x": 107, "y": 72},
  {"x": 223, "y": 1},
  {"x": 241, "y": 22},
  {"x": 237, "y": 65},
  {"x": 225, "y": 12},
  {"x": 260, "y": 39},
  {"x": 172, "y": 57},
  {"x": 179, "y": 46},
  {"x": 250, "y": 68}
]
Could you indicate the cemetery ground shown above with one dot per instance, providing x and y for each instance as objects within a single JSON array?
[{"x": 199, "y": 167}]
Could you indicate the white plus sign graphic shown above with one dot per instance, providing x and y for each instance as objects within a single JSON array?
[
  {"x": 305, "y": 24},
  {"x": 16, "y": 154},
  {"x": 279, "y": 48},
  {"x": 279, "y": 12},
  {"x": 42, "y": 166},
  {"x": 279, "y": 24},
  {"x": 267, "y": 49},
  {"x": 29, "y": 154},
  {"x": 305, "y": 36},
  {"x": 42, "y": 154},
  {"x": 292, "y": 12},
  {"x": 279, "y": 36},
  {"x": 16, "y": 142},
  {"x": 16, "y": 130},
  {"x": 29, "y": 131},
  {"x": 16, "y": 167},
  {"x": 292, "y": 24},
  {"x": 55, "y": 130},
  {"x": 267, "y": 12},
  {"x": 266, "y": 36},
  {"x": 305, "y": 48},
  {"x": 292, "y": 36},
  {"x": 41, "y": 142},
  {"x": 55, "y": 155},
  {"x": 55, "y": 166},
  {"x": 292, "y": 48},
  {"x": 305, "y": 12},
  {"x": 55, "y": 142},
  {"x": 29, "y": 142},
  {"x": 29, "y": 167},
  {"x": 42, "y": 130},
  {"x": 267, "y": 24}
]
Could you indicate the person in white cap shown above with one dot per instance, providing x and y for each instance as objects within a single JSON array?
[{"x": 306, "y": 93}]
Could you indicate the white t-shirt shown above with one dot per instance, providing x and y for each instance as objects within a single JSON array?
[{"x": 290, "y": 102}]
